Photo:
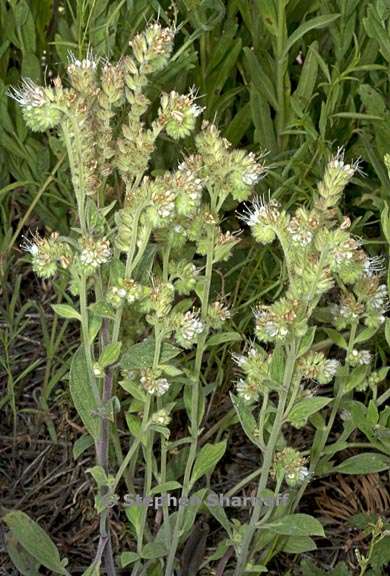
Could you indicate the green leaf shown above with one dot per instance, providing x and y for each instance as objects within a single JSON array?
[
  {"x": 307, "y": 341},
  {"x": 166, "y": 487},
  {"x": 66, "y": 311},
  {"x": 365, "y": 463},
  {"x": 246, "y": 418},
  {"x": 110, "y": 354},
  {"x": 82, "y": 395},
  {"x": 223, "y": 338},
  {"x": 170, "y": 370},
  {"x": 308, "y": 76},
  {"x": 337, "y": 338},
  {"x": 81, "y": 445},
  {"x": 255, "y": 569},
  {"x": 35, "y": 540},
  {"x": 387, "y": 331},
  {"x": 215, "y": 508},
  {"x": 154, "y": 550},
  {"x": 128, "y": 558},
  {"x": 207, "y": 459},
  {"x": 302, "y": 410},
  {"x": 366, "y": 334},
  {"x": 141, "y": 355},
  {"x": 99, "y": 475},
  {"x": 299, "y": 544},
  {"x": 26, "y": 564},
  {"x": 317, "y": 22},
  {"x": 133, "y": 388},
  {"x": 297, "y": 525},
  {"x": 93, "y": 570}
]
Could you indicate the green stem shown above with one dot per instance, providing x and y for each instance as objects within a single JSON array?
[
  {"x": 158, "y": 337},
  {"x": 194, "y": 404},
  {"x": 267, "y": 462},
  {"x": 280, "y": 72}
]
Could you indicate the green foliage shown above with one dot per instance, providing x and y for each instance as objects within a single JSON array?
[{"x": 293, "y": 79}]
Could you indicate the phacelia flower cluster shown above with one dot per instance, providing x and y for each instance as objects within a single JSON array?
[
  {"x": 153, "y": 383},
  {"x": 39, "y": 107},
  {"x": 337, "y": 175},
  {"x": 315, "y": 366},
  {"x": 188, "y": 328},
  {"x": 126, "y": 290},
  {"x": 255, "y": 368},
  {"x": 94, "y": 252},
  {"x": 265, "y": 219},
  {"x": 178, "y": 114},
  {"x": 290, "y": 465},
  {"x": 48, "y": 254}
]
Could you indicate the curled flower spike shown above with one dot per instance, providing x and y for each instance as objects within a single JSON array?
[
  {"x": 289, "y": 463},
  {"x": 263, "y": 218},
  {"x": 38, "y": 105},
  {"x": 178, "y": 113},
  {"x": 337, "y": 175},
  {"x": 28, "y": 95},
  {"x": 47, "y": 254}
]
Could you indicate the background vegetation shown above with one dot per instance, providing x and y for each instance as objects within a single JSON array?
[{"x": 293, "y": 79}]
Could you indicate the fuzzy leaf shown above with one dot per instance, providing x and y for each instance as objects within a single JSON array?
[
  {"x": 82, "y": 395},
  {"x": 81, "y": 444},
  {"x": 297, "y": 525},
  {"x": 166, "y": 487},
  {"x": 299, "y": 544},
  {"x": 110, "y": 354},
  {"x": 246, "y": 418},
  {"x": 66, "y": 311},
  {"x": 365, "y": 463},
  {"x": 35, "y": 540},
  {"x": 141, "y": 355},
  {"x": 223, "y": 338},
  {"x": 207, "y": 459},
  {"x": 128, "y": 558},
  {"x": 305, "y": 408}
]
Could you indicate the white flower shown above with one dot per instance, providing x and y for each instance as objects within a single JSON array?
[
  {"x": 330, "y": 368},
  {"x": 360, "y": 357},
  {"x": 303, "y": 473},
  {"x": 261, "y": 212},
  {"x": 192, "y": 326},
  {"x": 95, "y": 252},
  {"x": 28, "y": 95},
  {"x": 380, "y": 300},
  {"x": 246, "y": 392},
  {"x": 374, "y": 265},
  {"x": 87, "y": 63}
]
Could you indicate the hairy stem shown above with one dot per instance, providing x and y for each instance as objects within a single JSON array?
[
  {"x": 267, "y": 462},
  {"x": 194, "y": 405}
]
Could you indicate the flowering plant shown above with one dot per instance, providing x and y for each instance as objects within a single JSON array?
[
  {"x": 140, "y": 267},
  {"x": 144, "y": 307}
]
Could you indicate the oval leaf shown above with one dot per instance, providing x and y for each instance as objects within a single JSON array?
[
  {"x": 297, "y": 525},
  {"x": 66, "y": 311},
  {"x": 207, "y": 459},
  {"x": 82, "y": 395},
  {"x": 365, "y": 463},
  {"x": 35, "y": 540}
]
